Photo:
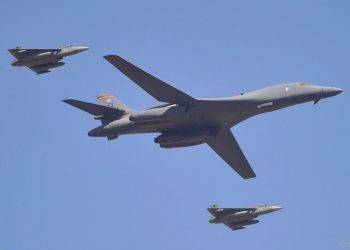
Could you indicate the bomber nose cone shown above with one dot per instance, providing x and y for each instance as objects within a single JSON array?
[{"x": 331, "y": 91}]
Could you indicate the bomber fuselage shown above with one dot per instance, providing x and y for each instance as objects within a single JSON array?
[{"x": 219, "y": 112}]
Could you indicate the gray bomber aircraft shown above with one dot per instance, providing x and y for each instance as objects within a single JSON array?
[
  {"x": 238, "y": 218},
  {"x": 187, "y": 121},
  {"x": 42, "y": 60}
]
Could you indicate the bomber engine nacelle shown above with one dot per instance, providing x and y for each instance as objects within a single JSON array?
[
  {"x": 159, "y": 114},
  {"x": 184, "y": 138}
]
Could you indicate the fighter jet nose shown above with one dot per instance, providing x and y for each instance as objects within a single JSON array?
[
  {"x": 72, "y": 50},
  {"x": 276, "y": 208},
  {"x": 337, "y": 91},
  {"x": 82, "y": 48},
  {"x": 331, "y": 91}
]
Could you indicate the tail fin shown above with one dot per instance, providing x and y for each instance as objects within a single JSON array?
[{"x": 109, "y": 100}]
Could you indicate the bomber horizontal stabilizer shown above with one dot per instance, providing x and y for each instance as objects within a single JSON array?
[{"x": 95, "y": 109}]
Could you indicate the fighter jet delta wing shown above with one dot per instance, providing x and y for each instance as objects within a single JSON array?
[
  {"x": 39, "y": 70},
  {"x": 241, "y": 225},
  {"x": 45, "y": 68},
  {"x": 20, "y": 53},
  {"x": 160, "y": 90},
  {"x": 217, "y": 211},
  {"x": 226, "y": 146}
]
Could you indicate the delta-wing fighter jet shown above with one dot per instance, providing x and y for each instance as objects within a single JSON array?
[
  {"x": 186, "y": 121},
  {"x": 42, "y": 60},
  {"x": 238, "y": 218}
]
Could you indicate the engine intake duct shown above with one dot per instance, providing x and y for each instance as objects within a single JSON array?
[
  {"x": 159, "y": 114},
  {"x": 184, "y": 138}
]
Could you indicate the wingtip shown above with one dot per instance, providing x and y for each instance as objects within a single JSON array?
[
  {"x": 107, "y": 57},
  {"x": 251, "y": 176},
  {"x": 115, "y": 60},
  {"x": 68, "y": 101}
]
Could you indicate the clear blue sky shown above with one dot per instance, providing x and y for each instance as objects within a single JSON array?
[{"x": 60, "y": 189}]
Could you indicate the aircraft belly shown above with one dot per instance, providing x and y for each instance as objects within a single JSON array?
[
  {"x": 124, "y": 126},
  {"x": 234, "y": 218},
  {"x": 39, "y": 61}
]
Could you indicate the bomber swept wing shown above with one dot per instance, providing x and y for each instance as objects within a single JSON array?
[
  {"x": 226, "y": 146},
  {"x": 160, "y": 90}
]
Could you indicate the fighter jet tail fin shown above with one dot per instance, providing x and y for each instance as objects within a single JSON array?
[
  {"x": 99, "y": 111},
  {"x": 109, "y": 100}
]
